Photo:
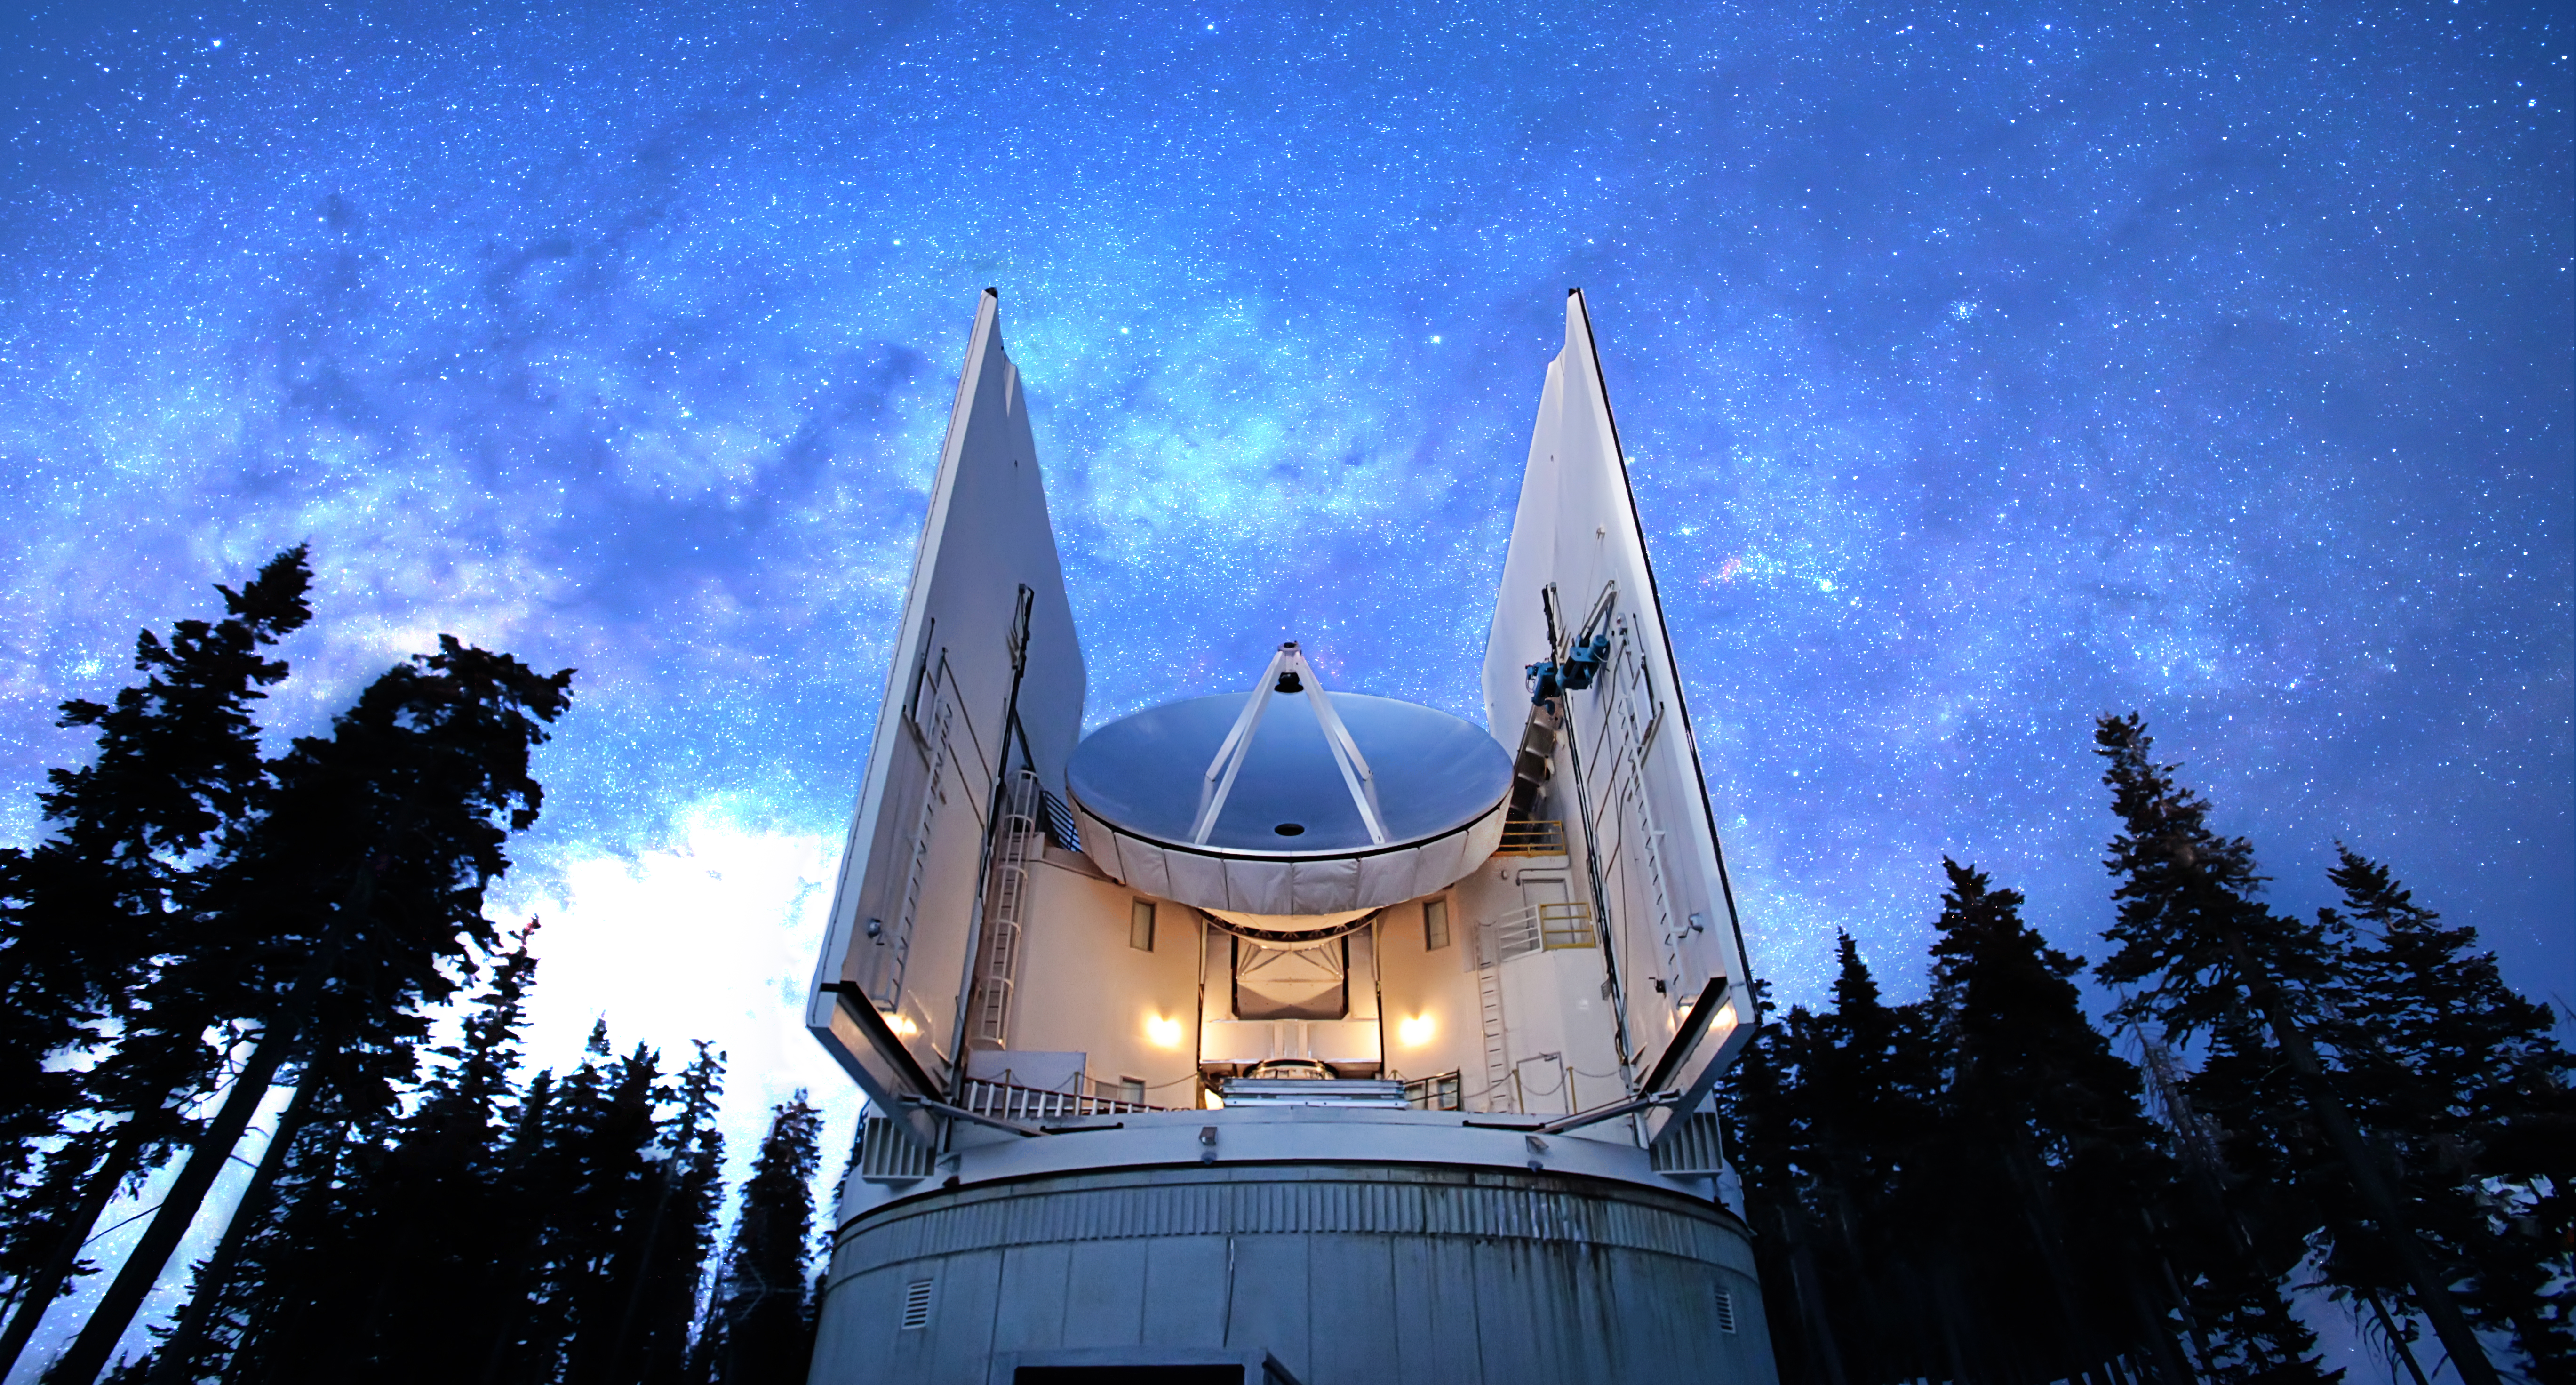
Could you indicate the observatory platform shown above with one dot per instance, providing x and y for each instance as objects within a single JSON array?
[{"x": 1286, "y": 1034}]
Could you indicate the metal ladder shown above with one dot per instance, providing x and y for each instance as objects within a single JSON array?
[
  {"x": 888, "y": 990},
  {"x": 1489, "y": 1005},
  {"x": 1632, "y": 795},
  {"x": 1005, "y": 917}
]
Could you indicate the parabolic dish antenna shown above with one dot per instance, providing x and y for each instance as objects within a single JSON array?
[{"x": 1289, "y": 809}]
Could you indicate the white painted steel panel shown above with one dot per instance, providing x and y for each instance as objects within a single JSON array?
[
  {"x": 1317, "y": 887},
  {"x": 1576, "y": 539},
  {"x": 904, "y": 911},
  {"x": 1389, "y": 873},
  {"x": 1257, "y": 887},
  {"x": 1191, "y": 877}
]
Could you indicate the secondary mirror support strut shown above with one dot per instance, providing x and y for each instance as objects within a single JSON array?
[{"x": 1287, "y": 671}]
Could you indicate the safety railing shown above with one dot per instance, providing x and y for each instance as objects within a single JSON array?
[
  {"x": 1544, "y": 928},
  {"x": 1532, "y": 837},
  {"x": 1009, "y": 1101}
]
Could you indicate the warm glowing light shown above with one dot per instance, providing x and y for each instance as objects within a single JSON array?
[
  {"x": 1164, "y": 1031},
  {"x": 902, "y": 1025},
  {"x": 1416, "y": 1030}
]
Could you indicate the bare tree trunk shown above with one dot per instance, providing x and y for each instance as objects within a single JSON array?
[
  {"x": 89, "y": 1352},
  {"x": 2396, "y": 1341},
  {"x": 46, "y": 1284},
  {"x": 174, "y": 1355}
]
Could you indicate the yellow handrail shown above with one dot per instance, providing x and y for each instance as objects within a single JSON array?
[
  {"x": 1566, "y": 925},
  {"x": 1543, "y": 928},
  {"x": 1532, "y": 837}
]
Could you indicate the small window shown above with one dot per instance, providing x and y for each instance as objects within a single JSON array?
[
  {"x": 1725, "y": 1311},
  {"x": 1140, "y": 926},
  {"x": 1132, "y": 1090},
  {"x": 916, "y": 1305},
  {"x": 1435, "y": 924}
]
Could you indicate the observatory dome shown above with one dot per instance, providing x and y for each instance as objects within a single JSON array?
[{"x": 1295, "y": 815}]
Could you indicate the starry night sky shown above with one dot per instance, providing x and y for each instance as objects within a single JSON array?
[{"x": 1982, "y": 372}]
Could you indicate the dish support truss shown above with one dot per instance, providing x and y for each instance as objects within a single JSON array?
[{"x": 1287, "y": 671}]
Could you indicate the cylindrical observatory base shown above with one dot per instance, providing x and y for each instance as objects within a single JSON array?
[{"x": 1339, "y": 1273}]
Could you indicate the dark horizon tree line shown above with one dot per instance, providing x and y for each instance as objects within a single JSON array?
[
  {"x": 203, "y": 924},
  {"x": 1971, "y": 1188},
  {"x": 1977, "y": 1187}
]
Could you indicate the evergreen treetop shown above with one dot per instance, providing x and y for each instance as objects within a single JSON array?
[
  {"x": 176, "y": 780},
  {"x": 2463, "y": 1083},
  {"x": 761, "y": 1329},
  {"x": 2190, "y": 932}
]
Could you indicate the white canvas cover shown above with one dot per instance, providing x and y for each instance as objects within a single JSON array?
[
  {"x": 1666, "y": 911},
  {"x": 890, "y": 988}
]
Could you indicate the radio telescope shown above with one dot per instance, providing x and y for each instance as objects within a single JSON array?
[{"x": 1286, "y": 1034}]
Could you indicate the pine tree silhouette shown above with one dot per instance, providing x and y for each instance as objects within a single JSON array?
[
  {"x": 2254, "y": 1226},
  {"x": 502, "y": 1342},
  {"x": 760, "y": 1331},
  {"x": 1833, "y": 1114},
  {"x": 1763, "y": 1104},
  {"x": 604, "y": 1132},
  {"x": 136, "y": 835},
  {"x": 347, "y": 904},
  {"x": 2207, "y": 956},
  {"x": 2044, "y": 1150},
  {"x": 652, "y": 1341},
  {"x": 397, "y": 1249},
  {"x": 2461, "y": 1079}
]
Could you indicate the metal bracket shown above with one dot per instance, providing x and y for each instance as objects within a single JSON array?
[{"x": 1612, "y": 1111}]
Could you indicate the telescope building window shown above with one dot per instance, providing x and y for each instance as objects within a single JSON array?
[{"x": 1140, "y": 925}]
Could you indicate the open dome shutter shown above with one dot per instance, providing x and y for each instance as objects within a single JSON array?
[
  {"x": 1578, "y": 596},
  {"x": 986, "y": 686}
]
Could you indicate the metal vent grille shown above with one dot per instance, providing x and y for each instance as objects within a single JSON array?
[
  {"x": 1725, "y": 1310},
  {"x": 916, "y": 1306},
  {"x": 888, "y": 1155},
  {"x": 1062, "y": 833},
  {"x": 1690, "y": 1145}
]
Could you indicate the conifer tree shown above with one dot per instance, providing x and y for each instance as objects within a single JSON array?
[
  {"x": 1762, "y": 1102},
  {"x": 397, "y": 1248},
  {"x": 652, "y": 1339},
  {"x": 176, "y": 781},
  {"x": 604, "y": 1213},
  {"x": 2045, "y": 1152},
  {"x": 2205, "y": 953},
  {"x": 760, "y": 1330},
  {"x": 502, "y": 1343},
  {"x": 573, "y": 1173},
  {"x": 1834, "y": 1122},
  {"x": 1872, "y": 1084},
  {"x": 564, "y": 1245},
  {"x": 2461, "y": 1079},
  {"x": 603, "y": 1138},
  {"x": 348, "y": 901},
  {"x": 2253, "y": 1226}
]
